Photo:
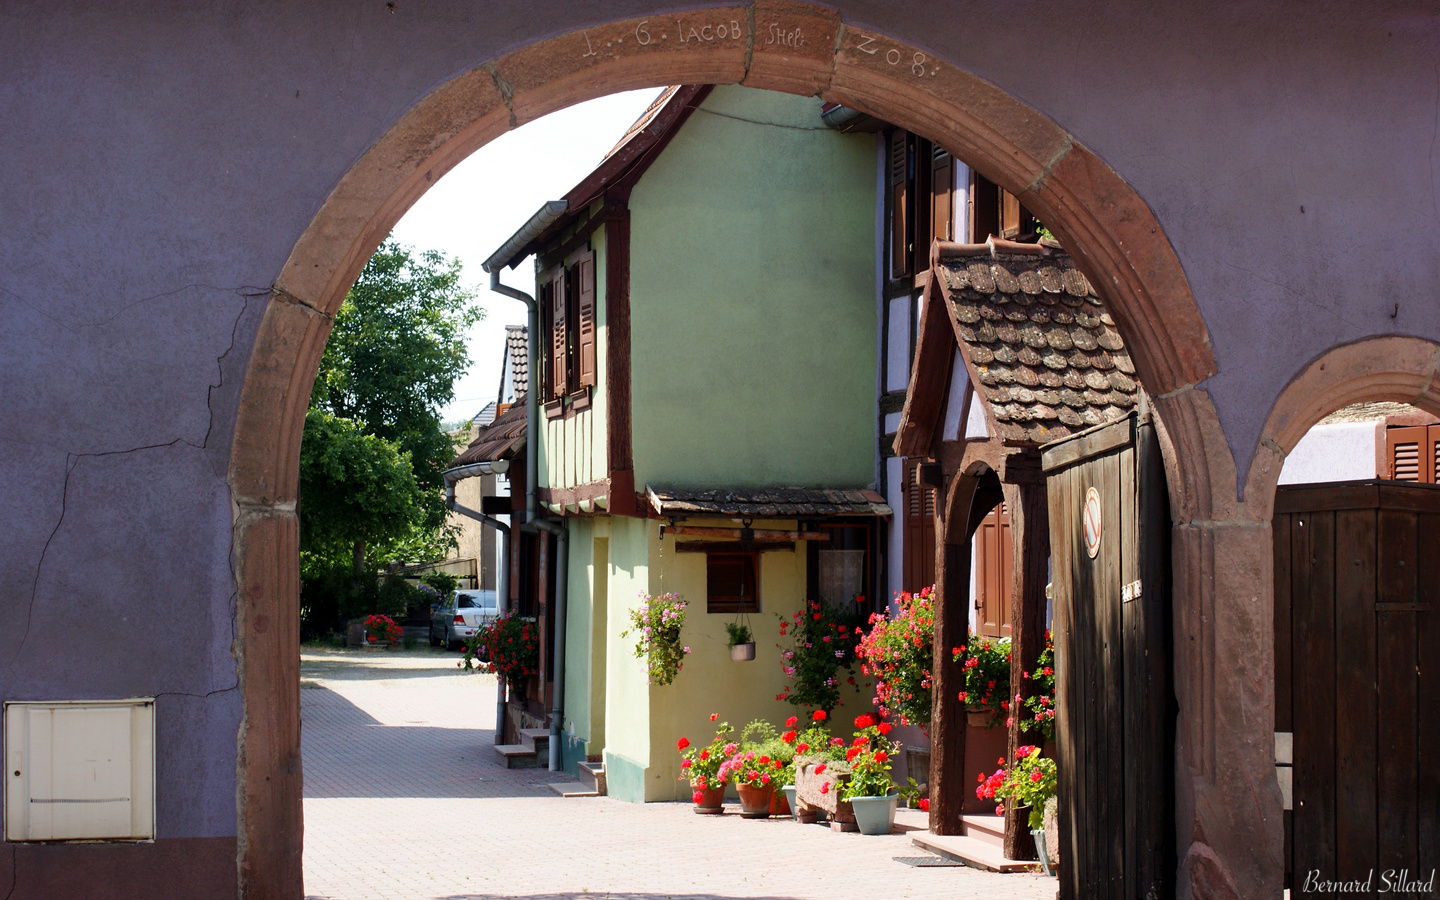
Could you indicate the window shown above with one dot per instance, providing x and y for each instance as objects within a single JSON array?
[
  {"x": 567, "y": 303},
  {"x": 920, "y": 178},
  {"x": 731, "y": 583},
  {"x": 994, "y": 210},
  {"x": 843, "y": 566},
  {"x": 1412, "y": 453}
]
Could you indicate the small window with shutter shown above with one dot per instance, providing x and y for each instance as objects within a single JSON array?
[
  {"x": 732, "y": 582},
  {"x": 918, "y": 568},
  {"x": 585, "y": 315},
  {"x": 1411, "y": 453}
]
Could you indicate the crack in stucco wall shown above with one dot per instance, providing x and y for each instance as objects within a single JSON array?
[{"x": 73, "y": 460}]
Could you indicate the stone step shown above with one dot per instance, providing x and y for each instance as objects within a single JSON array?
[
  {"x": 573, "y": 789},
  {"x": 518, "y": 756},
  {"x": 537, "y": 739},
  {"x": 593, "y": 774},
  {"x": 972, "y": 852},
  {"x": 988, "y": 828}
]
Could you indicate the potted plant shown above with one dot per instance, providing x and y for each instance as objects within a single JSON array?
[
  {"x": 1029, "y": 783},
  {"x": 870, "y": 788},
  {"x": 986, "y": 664},
  {"x": 740, "y": 641},
  {"x": 824, "y": 638},
  {"x": 701, "y": 767},
  {"x": 381, "y": 631},
  {"x": 820, "y": 771},
  {"x": 658, "y": 622},
  {"x": 1037, "y": 712},
  {"x": 509, "y": 646},
  {"x": 896, "y": 651}
]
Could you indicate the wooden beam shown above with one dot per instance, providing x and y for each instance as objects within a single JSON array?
[
  {"x": 732, "y": 546},
  {"x": 948, "y": 782},
  {"x": 756, "y": 534},
  {"x": 924, "y": 412},
  {"x": 1030, "y": 534}
]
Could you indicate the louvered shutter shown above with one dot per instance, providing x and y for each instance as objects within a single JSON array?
[
  {"x": 918, "y": 569},
  {"x": 586, "y": 316},
  {"x": 1403, "y": 450},
  {"x": 1412, "y": 453},
  {"x": 559, "y": 371},
  {"x": 898, "y": 175},
  {"x": 941, "y": 187},
  {"x": 994, "y": 575}
]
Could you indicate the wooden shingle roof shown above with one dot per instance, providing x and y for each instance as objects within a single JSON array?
[
  {"x": 1041, "y": 346},
  {"x": 767, "y": 503}
]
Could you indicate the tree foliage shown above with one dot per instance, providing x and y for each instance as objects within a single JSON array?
[{"x": 374, "y": 447}]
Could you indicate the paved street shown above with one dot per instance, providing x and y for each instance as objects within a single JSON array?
[{"x": 403, "y": 799}]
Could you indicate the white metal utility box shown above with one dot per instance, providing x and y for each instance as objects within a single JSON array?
[{"x": 80, "y": 770}]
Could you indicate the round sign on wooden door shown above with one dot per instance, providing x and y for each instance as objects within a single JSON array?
[{"x": 1092, "y": 523}]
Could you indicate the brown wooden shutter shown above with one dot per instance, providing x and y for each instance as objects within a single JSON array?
[
  {"x": 544, "y": 296},
  {"x": 559, "y": 371},
  {"x": 941, "y": 186},
  {"x": 994, "y": 572},
  {"x": 899, "y": 181},
  {"x": 1411, "y": 452},
  {"x": 1012, "y": 218},
  {"x": 918, "y": 569},
  {"x": 586, "y": 315}
]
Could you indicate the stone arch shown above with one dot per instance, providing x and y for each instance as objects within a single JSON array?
[
  {"x": 1112, "y": 233},
  {"x": 1403, "y": 369}
]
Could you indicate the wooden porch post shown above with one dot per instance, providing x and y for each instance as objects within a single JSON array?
[
  {"x": 1030, "y": 535},
  {"x": 947, "y": 721}
]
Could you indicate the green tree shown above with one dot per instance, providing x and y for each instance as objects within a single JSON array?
[{"x": 374, "y": 447}]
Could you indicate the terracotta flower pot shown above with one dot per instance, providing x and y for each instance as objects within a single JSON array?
[
  {"x": 712, "y": 802},
  {"x": 755, "y": 801},
  {"x": 779, "y": 803}
]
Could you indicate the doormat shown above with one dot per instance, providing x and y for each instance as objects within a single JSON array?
[{"x": 928, "y": 862}]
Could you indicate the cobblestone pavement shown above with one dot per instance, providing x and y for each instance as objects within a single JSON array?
[{"x": 405, "y": 799}]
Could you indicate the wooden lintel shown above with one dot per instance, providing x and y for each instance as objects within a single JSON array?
[
  {"x": 757, "y": 534},
  {"x": 732, "y": 546}
]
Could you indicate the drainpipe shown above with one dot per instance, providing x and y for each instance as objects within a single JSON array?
[
  {"x": 533, "y": 522},
  {"x": 502, "y": 587}
]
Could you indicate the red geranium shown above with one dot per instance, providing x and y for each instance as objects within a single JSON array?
[
  {"x": 682, "y": 743},
  {"x": 819, "y": 715}
]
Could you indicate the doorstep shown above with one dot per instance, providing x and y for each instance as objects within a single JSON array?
[{"x": 972, "y": 851}]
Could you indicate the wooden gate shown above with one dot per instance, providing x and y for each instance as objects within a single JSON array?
[
  {"x": 1357, "y": 704},
  {"x": 1109, "y": 540}
]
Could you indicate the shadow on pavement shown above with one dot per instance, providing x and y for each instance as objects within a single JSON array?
[{"x": 347, "y": 753}]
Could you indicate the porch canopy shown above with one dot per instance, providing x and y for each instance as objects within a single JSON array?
[{"x": 765, "y": 503}]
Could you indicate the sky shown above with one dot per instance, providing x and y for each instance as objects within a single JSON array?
[{"x": 486, "y": 198}]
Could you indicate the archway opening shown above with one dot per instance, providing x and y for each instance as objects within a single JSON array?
[
  {"x": 1086, "y": 204},
  {"x": 1355, "y": 512}
]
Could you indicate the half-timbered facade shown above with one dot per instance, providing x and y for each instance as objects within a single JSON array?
[{"x": 707, "y": 410}]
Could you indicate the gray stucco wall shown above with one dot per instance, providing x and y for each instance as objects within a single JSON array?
[{"x": 162, "y": 158}]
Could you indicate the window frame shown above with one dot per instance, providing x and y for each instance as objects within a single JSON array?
[{"x": 733, "y": 604}]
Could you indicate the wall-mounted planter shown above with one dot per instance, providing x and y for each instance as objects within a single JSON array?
[{"x": 743, "y": 652}]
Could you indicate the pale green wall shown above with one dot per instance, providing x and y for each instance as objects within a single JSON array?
[
  {"x": 644, "y": 721},
  {"x": 573, "y": 450},
  {"x": 627, "y": 691},
  {"x": 752, "y": 299}
]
